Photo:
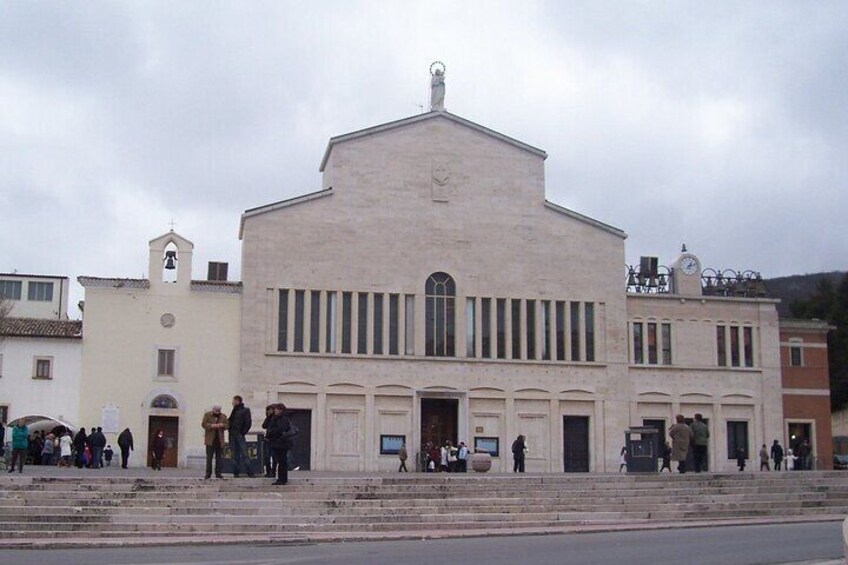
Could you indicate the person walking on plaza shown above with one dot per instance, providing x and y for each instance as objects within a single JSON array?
[
  {"x": 665, "y": 453},
  {"x": 776, "y": 454},
  {"x": 764, "y": 458},
  {"x": 125, "y": 444},
  {"x": 740, "y": 459},
  {"x": 239, "y": 425},
  {"x": 790, "y": 460},
  {"x": 681, "y": 437},
  {"x": 157, "y": 448},
  {"x": 462, "y": 458},
  {"x": 623, "y": 461},
  {"x": 47, "y": 450},
  {"x": 66, "y": 443},
  {"x": 270, "y": 468},
  {"x": 805, "y": 456},
  {"x": 107, "y": 455},
  {"x": 518, "y": 447},
  {"x": 97, "y": 441},
  {"x": 280, "y": 435},
  {"x": 80, "y": 440},
  {"x": 20, "y": 444},
  {"x": 214, "y": 423},
  {"x": 402, "y": 456},
  {"x": 700, "y": 441}
]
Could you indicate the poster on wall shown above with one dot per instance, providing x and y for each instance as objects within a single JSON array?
[
  {"x": 109, "y": 417},
  {"x": 391, "y": 444}
]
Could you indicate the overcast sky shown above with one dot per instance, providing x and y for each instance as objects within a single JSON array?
[{"x": 723, "y": 125}]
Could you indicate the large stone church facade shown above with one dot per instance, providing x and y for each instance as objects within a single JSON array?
[{"x": 430, "y": 292}]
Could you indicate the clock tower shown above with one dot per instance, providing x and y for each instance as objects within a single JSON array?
[{"x": 686, "y": 274}]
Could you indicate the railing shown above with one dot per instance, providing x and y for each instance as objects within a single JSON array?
[
  {"x": 656, "y": 282},
  {"x": 714, "y": 282},
  {"x": 727, "y": 282}
]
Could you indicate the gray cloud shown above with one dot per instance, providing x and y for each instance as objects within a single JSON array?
[{"x": 722, "y": 126}]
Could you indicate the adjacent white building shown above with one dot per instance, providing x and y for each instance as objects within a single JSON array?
[{"x": 40, "y": 349}]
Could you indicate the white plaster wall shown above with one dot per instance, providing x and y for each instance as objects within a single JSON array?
[
  {"x": 122, "y": 335},
  {"x": 56, "y": 309},
  {"x": 57, "y": 397}
]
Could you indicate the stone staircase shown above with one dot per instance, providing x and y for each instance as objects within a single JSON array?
[{"x": 58, "y": 508}]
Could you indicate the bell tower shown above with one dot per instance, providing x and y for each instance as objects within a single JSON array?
[{"x": 170, "y": 261}]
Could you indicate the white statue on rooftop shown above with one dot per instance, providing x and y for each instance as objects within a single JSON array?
[{"x": 437, "y": 87}]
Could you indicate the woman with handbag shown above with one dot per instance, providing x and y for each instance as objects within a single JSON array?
[{"x": 280, "y": 433}]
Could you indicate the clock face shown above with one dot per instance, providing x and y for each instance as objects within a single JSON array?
[{"x": 689, "y": 265}]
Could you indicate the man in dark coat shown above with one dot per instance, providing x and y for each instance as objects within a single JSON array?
[
  {"x": 80, "y": 440},
  {"x": 518, "y": 448},
  {"x": 240, "y": 424},
  {"x": 97, "y": 441},
  {"x": 125, "y": 442},
  {"x": 700, "y": 441},
  {"x": 280, "y": 433},
  {"x": 777, "y": 454}
]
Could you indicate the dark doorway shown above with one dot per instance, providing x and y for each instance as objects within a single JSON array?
[
  {"x": 658, "y": 425},
  {"x": 439, "y": 421},
  {"x": 798, "y": 433},
  {"x": 575, "y": 452},
  {"x": 690, "y": 455},
  {"x": 301, "y": 452},
  {"x": 171, "y": 426}
]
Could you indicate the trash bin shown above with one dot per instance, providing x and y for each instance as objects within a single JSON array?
[
  {"x": 642, "y": 444},
  {"x": 255, "y": 454}
]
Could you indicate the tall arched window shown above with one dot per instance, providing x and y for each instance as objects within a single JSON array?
[{"x": 440, "y": 293}]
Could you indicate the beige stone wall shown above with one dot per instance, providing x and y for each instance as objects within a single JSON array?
[
  {"x": 386, "y": 226},
  {"x": 695, "y": 383}
]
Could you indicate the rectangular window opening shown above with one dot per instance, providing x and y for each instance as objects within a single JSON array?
[
  {"x": 283, "y": 321},
  {"x": 314, "y": 321},
  {"x": 666, "y": 344},
  {"x": 589, "y": 313},
  {"x": 394, "y": 321},
  {"x": 470, "y": 327},
  {"x": 330, "y": 345},
  {"x": 166, "y": 363},
  {"x": 298, "y": 320},
  {"x": 378, "y": 324},
  {"x": 362, "y": 323},
  {"x": 638, "y": 355},
  {"x": 501, "y": 327},
  {"x": 347, "y": 305},
  {"x": 486, "y": 327}
]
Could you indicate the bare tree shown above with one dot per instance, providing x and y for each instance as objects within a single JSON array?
[{"x": 5, "y": 309}]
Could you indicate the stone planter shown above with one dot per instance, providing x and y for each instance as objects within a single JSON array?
[{"x": 480, "y": 462}]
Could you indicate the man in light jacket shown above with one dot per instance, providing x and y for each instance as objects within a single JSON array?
[{"x": 214, "y": 423}]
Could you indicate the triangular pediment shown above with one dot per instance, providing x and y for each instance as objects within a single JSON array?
[{"x": 440, "y": 115}]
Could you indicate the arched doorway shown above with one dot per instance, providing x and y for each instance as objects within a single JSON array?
[{"x": 164, "y": 416}]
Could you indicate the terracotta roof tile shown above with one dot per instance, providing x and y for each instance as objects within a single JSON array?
[
  {"x": 35, "y": 327},
  {"x": 100, "y": 282}
]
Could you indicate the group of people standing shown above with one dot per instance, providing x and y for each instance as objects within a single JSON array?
[
  {"x": 279, "y": 434},
  {"x": 62, "y": 448},
  {"x": 446, "y": 458}
]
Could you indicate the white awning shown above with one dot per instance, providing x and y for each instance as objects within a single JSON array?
[{"x": 38, "y": 422}]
